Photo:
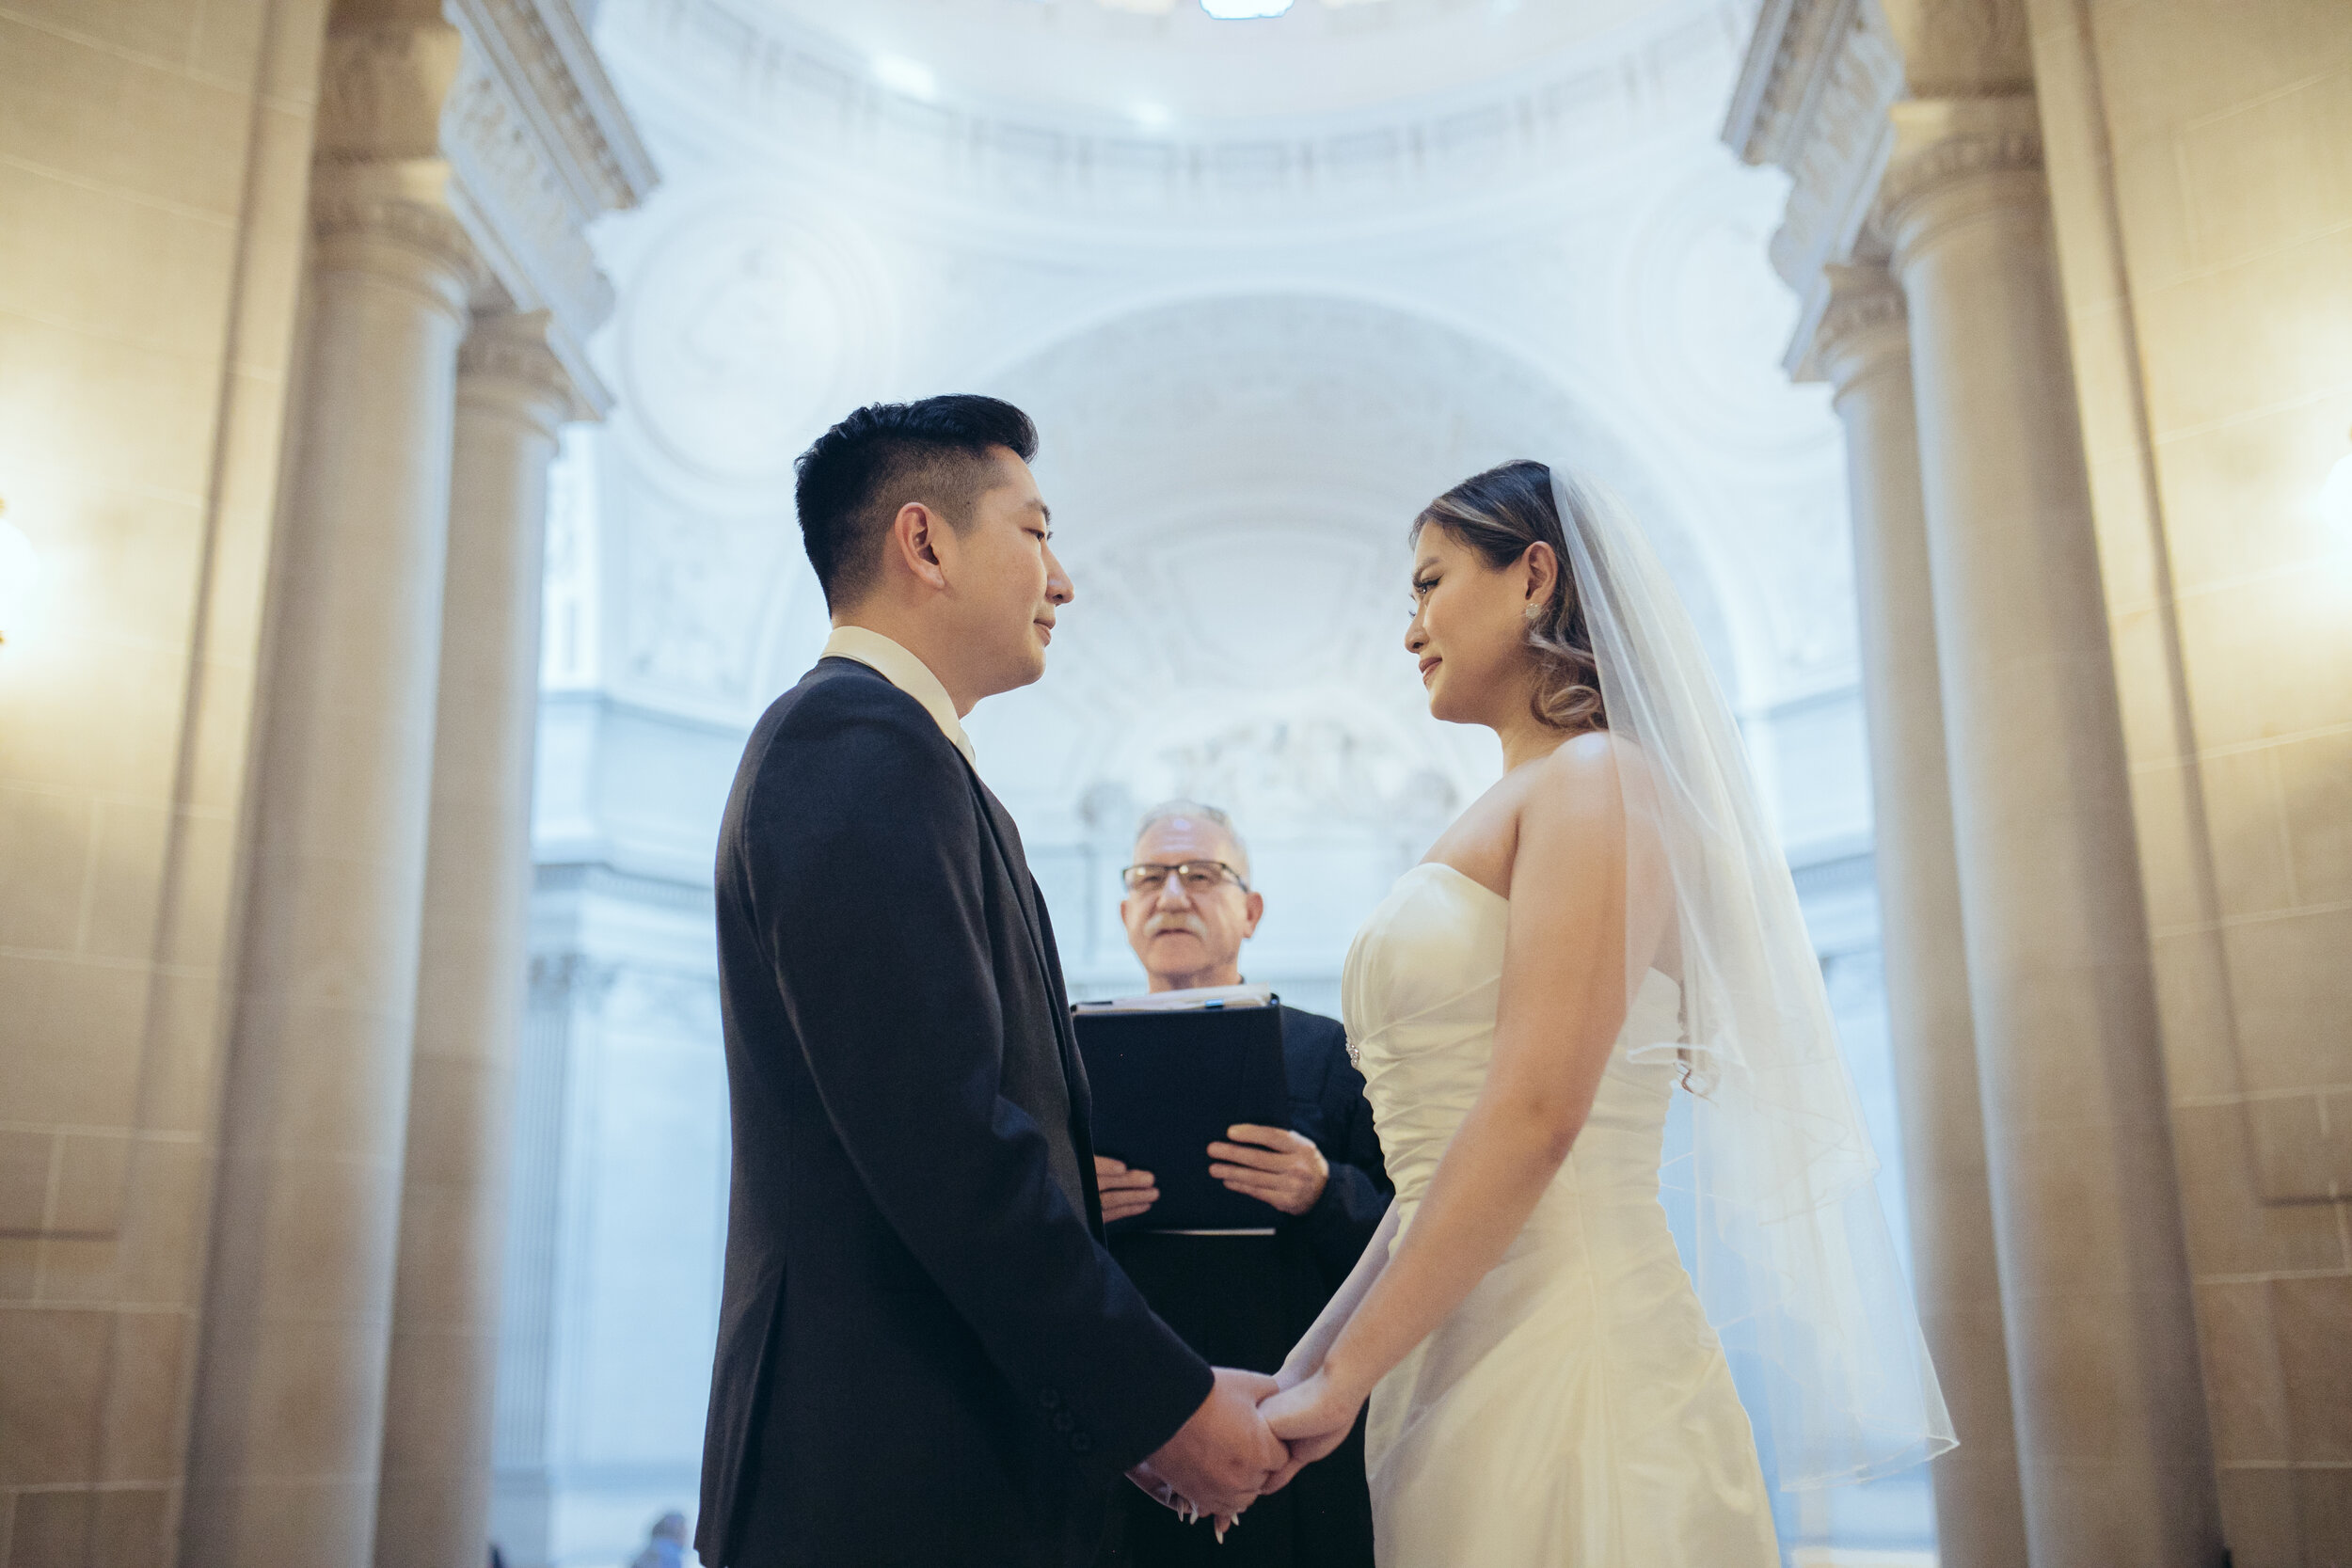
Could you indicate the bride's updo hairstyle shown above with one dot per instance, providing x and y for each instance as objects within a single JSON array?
[{"x": 1500, "y": 514}]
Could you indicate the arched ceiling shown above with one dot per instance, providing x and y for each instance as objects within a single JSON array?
[
  {"x": 1165, "y": 65},
  {"x": 1232, "y": 479}
]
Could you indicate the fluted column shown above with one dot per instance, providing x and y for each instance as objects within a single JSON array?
[
  {"x": 298, "y": 1308},
  {"x": 1863, "y": 348},
  {"x": 434, "y": 1512},
  {"x": 2113, "y": 1457}
]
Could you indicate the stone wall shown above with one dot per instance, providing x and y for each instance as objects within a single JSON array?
[
  {"x": 154, "y": 159},
  {"x": 2202, "y": 184}
]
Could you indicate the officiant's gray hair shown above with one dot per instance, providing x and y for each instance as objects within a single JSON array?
[{"x": 1193, "y": 811}]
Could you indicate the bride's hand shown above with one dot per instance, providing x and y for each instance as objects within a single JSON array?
[{"x": 1311, "y": 1417}]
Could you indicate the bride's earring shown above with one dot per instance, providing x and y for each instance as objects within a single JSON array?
[{"x": 1532, "y": 611}]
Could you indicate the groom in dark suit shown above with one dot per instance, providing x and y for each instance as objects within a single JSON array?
[{"x": 925, "y": 1357}]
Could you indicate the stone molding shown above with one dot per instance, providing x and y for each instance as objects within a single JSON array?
[
  {"x": 508, "y": 100},
  {"x": 815, "y": 99},
  {"x": 1963, "y": 48},
  {"x": 561, "y": 981},
  {"x": 1865, "y": 329},
  {"x": 1954, "y": 147},
  {"x": 402, "y": 205},
  {"x": 1779, "y": 84},
  {"x": 513, "y": 196},
  {"x": 1813, "y": 98},
  {"x": 505, "y": 360},
  {"x": 542, "y": 53},
  {"x": 512, "y": 348}
]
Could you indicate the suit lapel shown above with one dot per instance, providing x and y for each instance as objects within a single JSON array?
[{"x": 1008, "y": 836}]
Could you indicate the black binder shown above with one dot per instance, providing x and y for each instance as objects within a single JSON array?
[{"x": 1166, "y": 1083}]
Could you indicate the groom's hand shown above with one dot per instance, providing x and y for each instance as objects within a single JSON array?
[
  {"x": 1125, "y": 1192},
  {"x": 1220, "y": 1459}
]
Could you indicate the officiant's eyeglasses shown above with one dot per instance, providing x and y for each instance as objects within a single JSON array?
[{"x": 1196, "y": 876}]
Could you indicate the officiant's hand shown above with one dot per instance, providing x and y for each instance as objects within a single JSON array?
[
  {"x": 1311, "y": 1417},
  {"x": 1220, "y": 1459},
  {"x": 1125, "y": 1192},
  {"x": 1272, "y": 1164}
]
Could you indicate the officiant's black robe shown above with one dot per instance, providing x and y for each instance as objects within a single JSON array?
[
  {"x": 1243, "y": 1301},
  {"x": 925, "y": 1357}
]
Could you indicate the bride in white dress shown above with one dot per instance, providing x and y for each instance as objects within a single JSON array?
[{"x": 1607, "y": 927}]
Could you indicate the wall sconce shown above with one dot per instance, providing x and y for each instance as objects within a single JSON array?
[{"x": 20, "y": 578}]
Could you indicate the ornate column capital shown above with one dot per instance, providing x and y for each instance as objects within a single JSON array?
[
  {"x": 1955, "y": 158},
  {"x": 1864, "y": 330},
  {"x": 506, "y": 367},
  {"x": 504, "y": 139},
  {"x": 565, "y": 980},
  {"x": 391, "y": 218}
]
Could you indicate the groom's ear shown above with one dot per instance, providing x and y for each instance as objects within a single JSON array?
[{"x": 915, "y": 540}]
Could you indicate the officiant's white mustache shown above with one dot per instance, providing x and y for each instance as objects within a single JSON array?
[{"x": 1187, "y": 923}]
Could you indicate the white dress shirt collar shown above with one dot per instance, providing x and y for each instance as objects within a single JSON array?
[{"x": 902, "y": 669}]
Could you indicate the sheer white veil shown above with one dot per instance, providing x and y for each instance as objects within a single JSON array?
[{"x": 1795, "y": 1266}]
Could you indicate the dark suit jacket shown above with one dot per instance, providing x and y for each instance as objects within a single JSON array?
[
  {"x": 1243, "y": 1302},
  {"x": 1327, "y": 1105},
  {"x": 925, "y": 1356}
]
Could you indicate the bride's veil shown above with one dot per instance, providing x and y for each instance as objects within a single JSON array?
[{"x": 1794, "y": 1264}]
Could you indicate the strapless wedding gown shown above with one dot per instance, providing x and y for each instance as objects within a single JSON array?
[{"x": 1575, "y": 1411}]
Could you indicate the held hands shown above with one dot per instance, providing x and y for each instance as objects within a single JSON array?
[
  {"x": 1271, "y": 1164},
  {"x": 1303, "y": 1413},
  {"x": 1311, "y": 1414},
  {"x": 1219, "y": 1460}
]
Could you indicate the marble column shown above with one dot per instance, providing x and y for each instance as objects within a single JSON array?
[
  {"x": 297, "y": 1316},
  {"x": 2114, "y": 1461},
  {"x": 434, "y": 1510},
  {"x": 1863, "y": 348}
]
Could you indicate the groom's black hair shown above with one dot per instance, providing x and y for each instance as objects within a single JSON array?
[{"x": 857, "y": 475}]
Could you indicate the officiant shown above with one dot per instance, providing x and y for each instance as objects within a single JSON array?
[{"x": 1243, "y": 1301}]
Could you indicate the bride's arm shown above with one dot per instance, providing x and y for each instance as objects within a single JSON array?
[
  {"x": 1307, "y": 1355},
  {"x": 1563, "y": 1003}
]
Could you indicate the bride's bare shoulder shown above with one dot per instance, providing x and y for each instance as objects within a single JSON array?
[{"x": 1590, "y": 768}]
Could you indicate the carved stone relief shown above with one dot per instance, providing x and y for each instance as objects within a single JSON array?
[
  {"x": 1318, "y": 770},
  {"x": 697, "y": 584},
  {"x": 1813, "y": 99},
  {"x": 1712, "y": 318},
  {"x": 742, "y": 329}
]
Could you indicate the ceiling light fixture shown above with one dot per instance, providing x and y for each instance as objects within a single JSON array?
[{"x": 1245, "y": 10}]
